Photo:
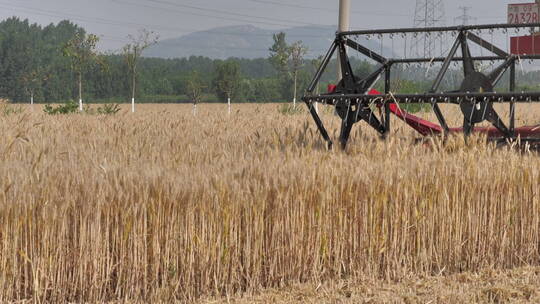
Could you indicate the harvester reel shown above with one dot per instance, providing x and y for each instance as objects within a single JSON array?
[
  {"x": 475, "y": 96},
  {"x": 476, "y": 111}
]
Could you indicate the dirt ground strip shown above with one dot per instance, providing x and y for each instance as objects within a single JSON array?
[{"x": 513, "y": 286}]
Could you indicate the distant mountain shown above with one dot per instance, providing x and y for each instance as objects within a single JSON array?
[{"x": 244, "y": 41}]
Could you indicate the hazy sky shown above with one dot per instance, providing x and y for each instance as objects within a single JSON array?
[{"x": 113, "y": 20}]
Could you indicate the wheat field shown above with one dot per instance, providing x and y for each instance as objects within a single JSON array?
[{"x": 163, "y": 206}]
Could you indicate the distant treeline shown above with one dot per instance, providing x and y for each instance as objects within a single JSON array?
[
  {"x": 32, "y": 59},
  {"x": 28, "y": 49}
]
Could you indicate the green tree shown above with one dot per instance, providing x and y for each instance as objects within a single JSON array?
[
  {"x": 264, "y": 90},
  {"x": 297, "y": 53},
  {"x": 405, "y": 86},
  {"x": 279, "y": 54},
  {"x": 18, "y": 51},
  {"x": 50, "y": 56},
  {"x": 227, "y": 81},
  {"x": 194, "y": 89},
  {"x": 33, "y": 80},
  {"x": 287, "y": 60},
  {"x": 133, "y": 51},
  {"x": 279, "y": 58},
  {"x": 81, "y": 49}
]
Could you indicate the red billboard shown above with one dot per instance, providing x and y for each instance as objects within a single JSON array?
[{"x": 525, "y": 45}]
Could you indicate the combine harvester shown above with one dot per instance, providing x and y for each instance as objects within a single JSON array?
[{"x": 355, "y": 100}]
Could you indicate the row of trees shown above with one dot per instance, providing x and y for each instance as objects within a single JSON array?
[
  {"x": 61, "y": 62},
  {"x": 82, "y": 54}
]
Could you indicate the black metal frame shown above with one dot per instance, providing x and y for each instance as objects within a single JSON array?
[{"x": 353, "y": 104}]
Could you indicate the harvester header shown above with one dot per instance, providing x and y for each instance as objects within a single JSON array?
[{"x": 355, "y": 100}]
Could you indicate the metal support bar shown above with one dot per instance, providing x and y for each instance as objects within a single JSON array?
[
  {"x": 387, "y": 88},
  {"x": 346, "y": 127},
  {"x": 496, "y": 75},
  {"x": 387, "y": 79},
  {"x": 454, "y": 98},
  {"x": 445, "y": 66},
  {"x": 468, "y": 127},
  {"x": 439, "y": 29},
  {"x": 319, "y": 124},
  {"x": 512, "y": 101},
  {"x": 365, "y": 51},
  {"x": 440, "y": 117},
  {"x": 496, "y": 121},
  {"x": 322, "y": 68},
  {"x": 353, "y": 116},
  {"x": 487, "y": 45},
  {"x": 346, "y": 68},
  {"x": 437, "y": 83},
  {"x": 477, "y": 58},
  {"x": 468, "y": 63},
  {"x": 366, "y": 114},
  {"x": 367, "y": 83}
]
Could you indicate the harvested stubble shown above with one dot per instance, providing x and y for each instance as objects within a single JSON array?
[
  {"x": 161, "y": 205},
  {"x": 517, "y": 285}
]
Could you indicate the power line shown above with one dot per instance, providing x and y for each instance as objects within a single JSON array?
[
  {"x": 365, "y": 13},
  {"x": 103, "y": 21},
  {"x": 124, "y": 40},
  {"x": 57, "y": 14},
  {"x": 222, "y": 16},
  {"x": 116, "y": 23},
  {"x": 130, "y": 25},
  {"x": 207, "y": 9},
  {"x": 312, "y": 28}
]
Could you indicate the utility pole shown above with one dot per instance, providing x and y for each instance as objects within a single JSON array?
[
  {"x": 344, "y": 24},
  {"x": 465, "y": 18}
]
